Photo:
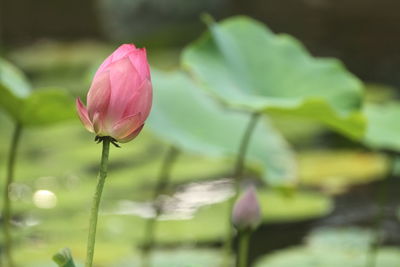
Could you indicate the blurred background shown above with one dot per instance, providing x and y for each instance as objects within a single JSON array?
[
  {"x": 344, "y": 202},
  {"x": 361, "y": 33}
]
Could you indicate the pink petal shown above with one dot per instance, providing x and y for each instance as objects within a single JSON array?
[
  {"x": 118, "y": 54},
  {"x": 98, "y": 97},
  {"x": 139, "y": 61},
  {"x": 132, "y": 135},
  {"x": 98, "y": 124},
  {"x": 140, "y": 101},
  {"x": 83, "y": 115},
  {"x": 126, "y": 126},
  {"x": 125, "y": 82},
  {"x": 247, "y": 212}
]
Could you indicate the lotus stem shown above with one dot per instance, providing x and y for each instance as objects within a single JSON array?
[
  {"x": 6, "y": 214},
  {"x": 96, "y": 202},
  {"x": 244, "y": 238},
  {"x": 237, "y": 177},
  {"x": 382, "y": 199},
  {"x": 160, "y": 188}
]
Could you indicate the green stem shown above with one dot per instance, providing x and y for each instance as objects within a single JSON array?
[
  {"x": 6, "y": 214},
  {"x": 162, "y": 183},
  {"x": 237, "y": 177},
  {"x": 96, "y": 202},
  {"x": 382, "y": 200},
  {"x": 244, "y": 238}
]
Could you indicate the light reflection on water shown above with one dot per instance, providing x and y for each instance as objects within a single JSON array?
[
  {"x": 183, "y": 204},
  {"x": 44, "y": 199}
]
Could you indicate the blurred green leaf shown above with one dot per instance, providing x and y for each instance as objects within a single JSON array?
[
  {"x": 208, "y": 223},
  {"x": 349, "y": 238},
  {"x": 183, "y": 115},
  {"x": 383, "y": 126},
  {"x": 179, "y": 258},
  {"x": 336, "y": 171},
  {"x": 331, "y": 248},
  {"x": 10, "y": 103},
  {"x": 13, "y": 79},
  {"x": 248, "y": 67},
  {"x": 304, "y": 257},
  {"x": 64, "y": 258},
  {"x": 32, "y": 107},
  {"x": 47, "y": 106},
  {"x": 13, "y": 88}
]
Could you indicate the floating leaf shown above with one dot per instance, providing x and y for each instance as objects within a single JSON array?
[
  {"x": 183, "y": 115},
  {"x": 187, "y": 221},
  {"x": 332, "y": 248},
  {"x": 248, "y": 67},
  {"x": 304, "y": 257},
  {"x": 383, "y": 128},
  {"x": 179, "y": 258},
  {"x": 208, "y": 224},
  {"x": 349, "y": 238},
  {"x": 336, "y": 171}
]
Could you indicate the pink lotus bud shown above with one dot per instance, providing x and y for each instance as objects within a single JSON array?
[
  {"x": 246, "y": 212},
  {"x": 119, "y": 99}
]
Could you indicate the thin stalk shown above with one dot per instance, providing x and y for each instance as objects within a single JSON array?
[
  {"x": 160, "y": 187},
  {"x": 6, "y": 214},
  {"x": 244, "y": 238},
  {"x": 94, "y": 213},
  {"x": 382, "y": 199},
  {"x": 237, "y": 177}
]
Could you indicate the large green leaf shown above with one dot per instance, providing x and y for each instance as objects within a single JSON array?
[
  {"x": 32, "y": 107},
  {"x": 248, "y": 67},
  {"x": 47, "y": 106},
  {"x": 13, "y": 88},
  {"x": 383, "y": 130},
  {"x": 12, "y": 78},
  {"x": 183, "y": 115},
  {"x": 332, "y": 248}
]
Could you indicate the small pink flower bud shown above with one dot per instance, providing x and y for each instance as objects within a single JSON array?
[
  {"x": 246, "y": 212},
  {"x": 119, "y": 99}
]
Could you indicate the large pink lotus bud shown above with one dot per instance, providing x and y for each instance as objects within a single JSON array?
[
  {"x": 119, "y": 99},
  {"x": 246, "y": 213}
]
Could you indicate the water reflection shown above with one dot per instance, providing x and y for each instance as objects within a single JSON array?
[
  {"x": 48, "y": 182},
  {"x": 184, "y": 203},
  {"x": 44, "y": 199},
  {"x": 20, "y": 192}
]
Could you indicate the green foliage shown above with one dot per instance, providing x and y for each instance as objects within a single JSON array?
[
  {"x": 64, "y": 258},
  {"x": 179, "y": 258},
  {"x": 32, "y": 107},
  {"x": 13, "y": 79},
  {"x": 298, "y": 206},
  {"x": 184, "y": 116},
  {"x": 47, "y": 106},
  {"x": 13, "y": 88},
  {"x": 248, "y": 67},
  {"x": 336, "y": 171},
  {"x": 331, "y": 248},
  {"x": 383, "y": 128}
]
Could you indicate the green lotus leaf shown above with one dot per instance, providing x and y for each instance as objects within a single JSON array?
[
  {"x": 184, "y": 116},
  {"x": 246, "y": 66}
]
